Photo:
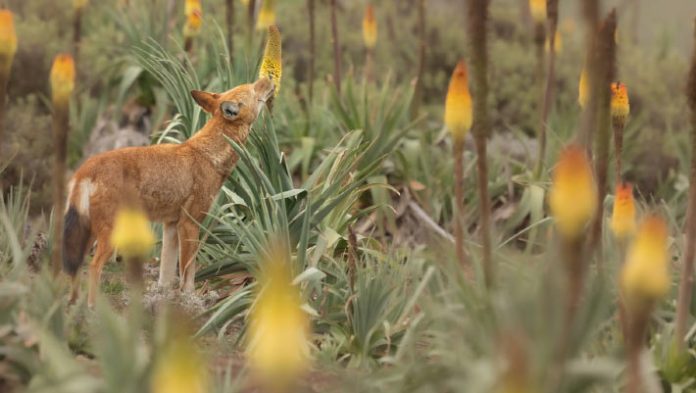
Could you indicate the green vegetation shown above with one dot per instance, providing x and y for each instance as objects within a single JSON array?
[{"x": 356, "y": 194}]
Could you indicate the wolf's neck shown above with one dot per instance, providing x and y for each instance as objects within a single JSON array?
[{"x": 211, "y": 143}]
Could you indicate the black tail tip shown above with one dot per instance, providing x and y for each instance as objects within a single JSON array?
[{"x": 75, "y": 237}]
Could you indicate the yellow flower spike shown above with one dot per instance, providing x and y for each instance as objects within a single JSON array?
[
  {"x": 583, "y": 89},
  {"x": 80, "y": 4},
  {"x": 191, "y": 6},
  {"x": 8, "y": 40},
  {"x": 458, "y": 112},
  {"x": 620, "y": 106},
  {"x": 573, "y": 195},
  {"x": 272, "y": 63},
  {"x": 623, "y": 217},
  {"x": 132, "y": 236},
  {"x": 370, "y": 27},
  {"x": 244, "y": 2},
  {"x": 62, "y": 78},
  {"x": 645, "y": 276},
  {"x": 180, "y": 367},
  {"x": 267, "y": 15},
  {"x": 538, "y": 10},
  {"x": 278, "y": 329},
  {"x": 193, "y": 24}
]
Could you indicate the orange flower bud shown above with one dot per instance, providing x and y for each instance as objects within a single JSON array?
[
  {"x": 458, "y": 112},
  {"x": 645, "y": 276},
  {"x": 573, "y": 195},
  {"x": 8, "y": 41},
  {"x": 623, "y": 217},
  {"x": 583, "y": 89},
  {"x": 620, "y": 106},
  {"x": 369, "y": 27},
  {"x": 267, "y": 15},
  {"x": 538, "y": 10},
  {"x": 62, "y": 78}
]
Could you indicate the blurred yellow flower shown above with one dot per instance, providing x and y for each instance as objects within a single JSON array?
[
  {"x": 179, "y": 368},
  {"x": 573, "y": 194},
  {"x": 538, "y": 10},
  {"x": 132, "y": 236},
  {"x": 62, "y": 78},
  {"x": 458, "y": 112},
  {"x": 80, "y": 4},
  {"x": 645, "y": 276},
  {"x": 620, "y": 106},
  {"x": 8, "y": 40},
  {"x": 191, "y": 6},
  {"x": 272, "y": 62},
  {"x": 623, "y": 217},
  {"x": 583, "y": 89},
  {"x": 244, "y": 2},
  {"x": 192, "y": 27},
  {"x": 369, "y": 27},
  {"x": 278, "y": 329},
  {"x": 267, "y": 15}
]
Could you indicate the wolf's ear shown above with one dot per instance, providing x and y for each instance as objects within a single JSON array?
[{"x": 207, "y": 101}]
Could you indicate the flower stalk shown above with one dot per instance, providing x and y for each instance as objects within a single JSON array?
[
  {"x": 272, "y": 62},
  {"x": 422, "y": 51},
  {"x": 194, "y": 19},
  {"x": 8, "y": 48},
  {"x": 687, "y": 274},
  {"x": 458, "y": 120},
  {"x": 312, "y": 49},
  {"x": 229, "y": 20},
  {"x": 78, "y": 8},
  {"x": 477, "y": 24},
  {"x": 620, "y": 108},
  {"x": 370, "y": 40},
  {"x": 62, "y": 86},
  {"x": 133, "y": 239},
  {"x": 644, "y": 281},
  {"x": 606, "y": 56},
  {"x": 336, "y": 47},
  {"x": 547, "y": 95}
]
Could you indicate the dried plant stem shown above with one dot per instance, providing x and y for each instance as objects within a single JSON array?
[
  {"x": 251, "y": 11},
  {"x": 588, "y": 120},
  {"x": 477, "y": 24},
  {"x": 458, "y": 151},
  {"x": 369, "y": 55},
  {"x": 229, "y": 20},
  {"x": 422, "y": 48},
  {"x": 188, "y": 45},
  {"x": 605, "y": 54},
  {"x": 4, "y": 77},
  {"x": 687, "y": 275},
  {"x": 637, "y": 323},
  {"x": 618, "y": 148},
  {"x": 336, "y": 47},
  {"x": 60, "y": 142},
  {"x": 77, "y": 33},
  {"x": 352, "y": 257},
  {"x": 547, "y": 100},
  {"x": 312, "y": 50}
]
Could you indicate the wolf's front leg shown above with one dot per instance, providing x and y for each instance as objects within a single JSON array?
[
  {"x": 188, "y": 248},
  {"x": 170, "y": 250}
]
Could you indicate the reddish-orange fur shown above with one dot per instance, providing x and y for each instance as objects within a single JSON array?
[{"x": 175, "y": 184}]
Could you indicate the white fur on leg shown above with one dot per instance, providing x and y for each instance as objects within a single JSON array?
[
  {"x": 170, "y": 248},
  {"x": 189, "y": 277}
]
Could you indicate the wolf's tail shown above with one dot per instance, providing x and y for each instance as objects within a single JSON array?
[{"x": 76, "y": 234}]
